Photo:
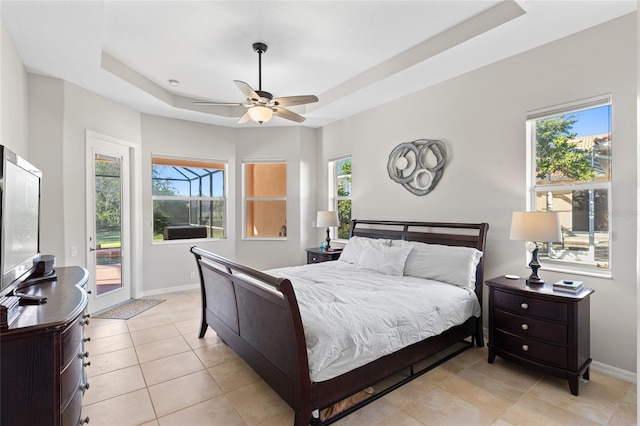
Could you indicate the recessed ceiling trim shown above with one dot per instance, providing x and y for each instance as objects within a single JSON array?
[
  {"x": 490, "y": 18},
  {"x": 122, "y": 71}
]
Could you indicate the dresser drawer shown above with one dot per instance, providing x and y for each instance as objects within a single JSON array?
[
  {"x": 70, "y": 381},
  {"x": 531, "y": 349},
  {"x": 529, "y": 327},
  {"x": 530, "y": 306},
  {"x": 71, "y": 413},
  {"x": 71, "y": 343}
]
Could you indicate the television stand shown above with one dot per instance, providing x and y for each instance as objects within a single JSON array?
[{"x": 43, "y": 353}]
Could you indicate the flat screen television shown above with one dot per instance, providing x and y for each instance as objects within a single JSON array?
[{"x": 20, "y": 184}]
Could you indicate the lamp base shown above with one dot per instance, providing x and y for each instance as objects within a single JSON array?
[
  {"x": 328, "y": 240},
  {"x": 535, "y": 281}
]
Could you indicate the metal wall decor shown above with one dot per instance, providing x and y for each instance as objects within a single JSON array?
[{"x": 410, "y": 165}]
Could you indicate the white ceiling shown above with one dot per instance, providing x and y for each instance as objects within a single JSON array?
[{"x": 354, "y": 55}]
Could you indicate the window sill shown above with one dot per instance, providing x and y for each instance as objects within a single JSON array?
[
  {"x": 606, "y": 274},
  {"x": 190, "y": 241},
  {"x": 264, "y": 238}
]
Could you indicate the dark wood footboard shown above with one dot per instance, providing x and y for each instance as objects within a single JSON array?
[{"x": 257, "y": 315}]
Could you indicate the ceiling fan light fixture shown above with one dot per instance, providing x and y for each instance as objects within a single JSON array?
[{"x": 260, "y": 114}]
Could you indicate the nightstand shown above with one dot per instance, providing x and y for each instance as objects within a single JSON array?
[
  {"x": 317, "y": 255},
  {"x": 540, "y": 328}
]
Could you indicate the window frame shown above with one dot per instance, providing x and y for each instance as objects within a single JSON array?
[
  {"x": 223, "y": 198},
  {"x": 246, "y": 199},
  {"x": 533, "y": 188},
  {"x": 334, "y": 198}
]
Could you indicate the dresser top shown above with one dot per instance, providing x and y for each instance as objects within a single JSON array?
[
  {"x": 545, "y": 290},
  {"x": 65, "y": 301}
]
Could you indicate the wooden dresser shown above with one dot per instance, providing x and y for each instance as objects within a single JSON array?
[
  {"x": 43, "y": 356},
  {"x": 540, "y": 328}
]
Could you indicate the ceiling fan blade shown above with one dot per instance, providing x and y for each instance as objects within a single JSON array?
[
  {"x": 245, "y": 117},
  {"x": 247, "y": 90},
  {"x": 295, "y": 100},
  {"x": 289, "y": 115}
]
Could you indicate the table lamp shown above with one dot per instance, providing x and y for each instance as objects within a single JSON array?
[
  {"x": 328, "y": 219},
  {"x": 535, "y": 227}
]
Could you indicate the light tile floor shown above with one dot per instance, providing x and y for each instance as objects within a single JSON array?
[{"x": 153, "y": 370}]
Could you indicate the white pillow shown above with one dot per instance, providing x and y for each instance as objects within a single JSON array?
[
  {"x": 386, "y": 260},
  {"x": 352, "y": 251},
  {"x": 450, "y": 264}
]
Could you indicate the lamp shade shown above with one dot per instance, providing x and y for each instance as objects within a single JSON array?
[
  {"x": 325, "y": 218},
  {"x": 260, "y": 114},
  {"x": 535, "y": 226}
]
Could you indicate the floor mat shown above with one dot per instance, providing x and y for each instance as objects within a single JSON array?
[{"x": 128, "y": 309}]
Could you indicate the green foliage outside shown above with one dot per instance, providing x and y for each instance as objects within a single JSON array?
[
  {"x": 107, "y": 195},
  {"x": 183, "y": 212},
  {"x": 344, "y": 206},
  {"x": 556, "y": 153}
]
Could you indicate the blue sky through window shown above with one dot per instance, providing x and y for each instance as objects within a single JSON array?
[
  {"x": 593, "y": 121},
  {"x": 185, "y": 181}
]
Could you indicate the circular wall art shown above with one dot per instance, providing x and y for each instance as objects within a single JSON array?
[{"x": 418, "y": 165}]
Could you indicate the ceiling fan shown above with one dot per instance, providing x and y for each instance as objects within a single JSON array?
[{"x": 262, "y": 105}]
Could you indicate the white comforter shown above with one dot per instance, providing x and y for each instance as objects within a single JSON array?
[{"x": 353, "y": 316}]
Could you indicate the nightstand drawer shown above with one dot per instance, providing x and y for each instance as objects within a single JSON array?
[
  {"x": 529, "y": 327},
  {"x": 318, "y": 255},
  {"x": 317, "y": 258},
  {"x": 531, "y": 349},
  {"x": 530, "y": 306}
]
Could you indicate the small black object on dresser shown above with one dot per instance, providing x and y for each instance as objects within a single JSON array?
[
  {"x": 540, "y": 328},
  {"x": 317, "y": 255}
]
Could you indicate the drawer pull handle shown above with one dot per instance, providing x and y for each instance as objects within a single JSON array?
[
  {"x": 525, "y": 326},
  {"x": 84, "y": 387},
  {"x": 83, "y": 354},
  {"x": 524, "y": 306},
  {"x": 86, "y": 339},
  {"x": 87, "y": 364},
  {"x": 84, "y": 321},
  {"x": 525, "y": 347},
  {"x": 83, "y": 421}
]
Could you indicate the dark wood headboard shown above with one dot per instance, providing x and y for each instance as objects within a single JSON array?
[{"x": 450, "y": 234}]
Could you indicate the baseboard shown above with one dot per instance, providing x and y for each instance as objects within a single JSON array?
[
  {"x": 599, "y": 367},
  {"x": 170, "y": 290},
  {"x": 615, "y": 372}
]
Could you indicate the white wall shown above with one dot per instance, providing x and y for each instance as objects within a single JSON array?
[
  {"x": 46, "y": 118},
  {"x": 291, "y": 145},
  {"x": 168, "y": 265},
  {"x": 481, "y": 117},
  {"x": 13, "y": 97}
]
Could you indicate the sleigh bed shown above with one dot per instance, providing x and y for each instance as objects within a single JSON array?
[{"x": 280, "y": 322}]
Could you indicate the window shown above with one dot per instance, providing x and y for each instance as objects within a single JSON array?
[
  {"x": 340, "y": 194},
  {"x": 265, "y": 199},
  {"x": 188, "y": 198},
  {"x": 571, "y": 175}
]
